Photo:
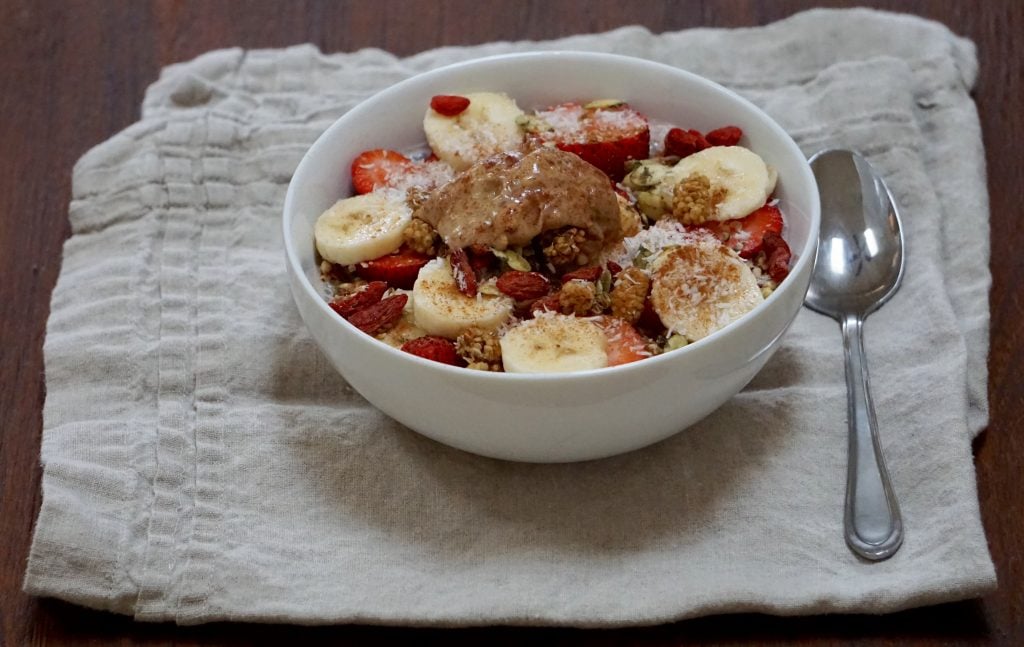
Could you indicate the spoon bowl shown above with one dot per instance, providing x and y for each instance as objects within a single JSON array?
[
  {"x": 859, "y": 266},
  {"x": 860, "y": 245}
]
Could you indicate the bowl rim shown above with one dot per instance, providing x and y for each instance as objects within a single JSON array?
[{"x": 806, "y": 257}]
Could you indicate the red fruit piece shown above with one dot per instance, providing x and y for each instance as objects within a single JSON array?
[
  {"x": 625, "y": 343},
  {"x": 378, "y": 168},
  {"x": 399, "y": 270},
  {"x": 682, "y": 143},
  {"x": 607, "y": 137},
  {"x": 550, "y": 303},
  {"x": 746, "y": 235},
  {"x": 370, "y": 294},
  {"x": 449, "y": 105},
  {"x": 649, "y": 320},
  {"x": 523, "y": 286},
  {"x": 380, "y": 316},
  {"x": 462, "y": 270},
  {"x": 613, "y": 268},
  {"x": 591, "y": 273},
  {"x": 480, "y": 257},
  {"x": 778, "y": 254},
  {"x": 725, "y": 136},
  {"x": 438, "y": 349}
]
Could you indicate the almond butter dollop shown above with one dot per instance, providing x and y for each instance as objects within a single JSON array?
[{"x": 506, "y": 200}]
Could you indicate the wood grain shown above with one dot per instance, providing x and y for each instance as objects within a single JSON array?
[{"x": 73, "y": 73}]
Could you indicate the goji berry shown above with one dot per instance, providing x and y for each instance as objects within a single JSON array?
[
  {"x": 462, "y": 270},
  {"x": 380, "y": 316},
  {"x": 523, "y": 286},
  {"x": 681, "y": 143},
  {"x": 724, "y": 136},
  {"x": 449, "y": 105},
  {"x": 550, "y": 303},
  {"x": 480, "y": 257},
  {"x": 777, "y": 251},
  {"x": 591, "y": 273},
  {"x": 347, "y": 305},
  {"x": 434, "y": 348}
]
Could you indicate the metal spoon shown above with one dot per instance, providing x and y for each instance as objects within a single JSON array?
[{"x": 858, "y": 268}]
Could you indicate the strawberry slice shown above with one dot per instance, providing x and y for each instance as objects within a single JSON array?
[
  {"x": 606, "y": 136},
  {"x": 434, "y": 348},
  {"x": 399, "y": 270},
  {"x": 378, "y": 168},
  {"x": 746, "y": 235},
  {"x": 625, "y": 343}
]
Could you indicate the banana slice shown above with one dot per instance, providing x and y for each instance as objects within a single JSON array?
[
  {"x": 737, "y": 182},
  {"x": 701, "y": 286},
  {"x": 362, "y": 227},
  {"x": 487, "y": 127},
  {"x": 440, "y": 309},
  {"x": 554, "y": 343}
]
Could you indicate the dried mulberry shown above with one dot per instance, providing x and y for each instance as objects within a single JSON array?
[
  {"x": 694, "y": 200},
  {"x": 564, "y": 248},
  {"x": 629, "y": 293},
  {"x": 480, "y": 348},
  {"x": 420, "y": 236}
]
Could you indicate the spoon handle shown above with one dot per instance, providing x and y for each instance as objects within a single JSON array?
[{"x": 872, "y": 521}]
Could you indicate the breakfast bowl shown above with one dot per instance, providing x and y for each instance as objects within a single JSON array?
[{"x": 549, "y": 417}]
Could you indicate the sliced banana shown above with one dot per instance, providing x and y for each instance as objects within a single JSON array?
[
  {"x": 554, "y": 343},
  {"x": 362, "y": 227},
  {"x": 701, "y": 286},
  {"x": 487, "y": 127},
  {"x": 739, "y": 179},
  {"x": 440, "y": 309}
]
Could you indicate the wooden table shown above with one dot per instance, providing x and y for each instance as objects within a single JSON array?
[{"x": 73, "y": 73}]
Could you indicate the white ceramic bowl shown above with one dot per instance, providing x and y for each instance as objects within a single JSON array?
[{"x": 558, "y": 417}]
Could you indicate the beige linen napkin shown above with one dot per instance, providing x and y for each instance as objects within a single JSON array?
[{"x": 204, "y": 462}]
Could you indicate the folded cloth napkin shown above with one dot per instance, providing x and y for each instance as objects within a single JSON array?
[{"x": 202, "y": 461}]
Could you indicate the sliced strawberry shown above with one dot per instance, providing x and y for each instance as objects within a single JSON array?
[
  {"x": 625, "y": 343},
  {"x": 369, "y": 295},
  {"x": 463, "y": 272},
  {"x": 746, "y": 235},
  {"x": 378, "y": 168},
  {"x": 437, "y": 349},
  {"x": 682, "y": 143},
  {"x": 607, "y": 137},
  {"x": 724, "y": 136},
  {"x": 777, "y": 251},
  {"x": 399, "y": 270},
  {"x": 449, "y": 105},
  {"x": 380, "y": 316}
]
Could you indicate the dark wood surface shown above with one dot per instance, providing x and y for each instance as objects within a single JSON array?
[{"x": 73, "y": 73}]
